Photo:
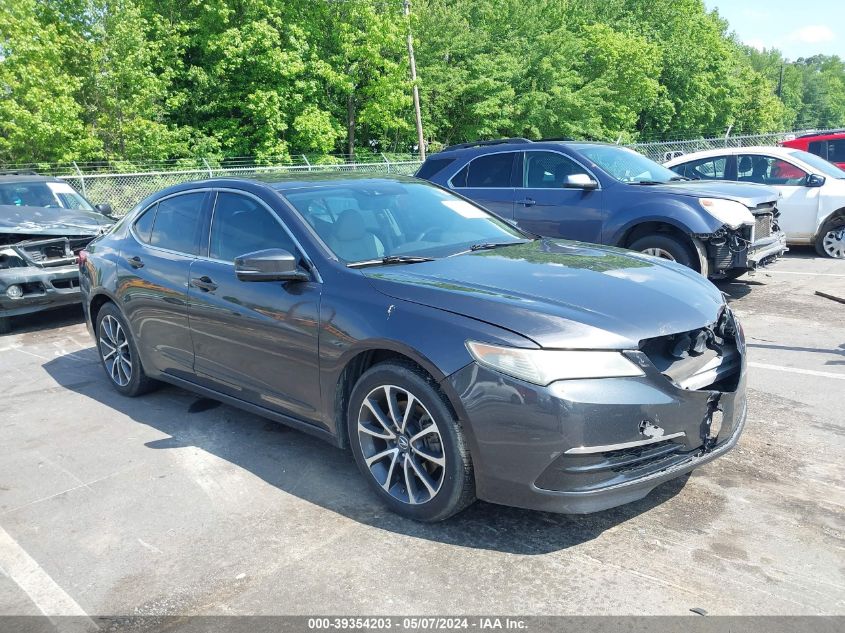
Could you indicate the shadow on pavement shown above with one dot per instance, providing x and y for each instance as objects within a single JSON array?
[
  {"x": 313, "y": 470},
  {"x": 47, "y": 319}
]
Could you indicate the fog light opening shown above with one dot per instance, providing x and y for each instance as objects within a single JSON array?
[{"x": 14, "y": 292}]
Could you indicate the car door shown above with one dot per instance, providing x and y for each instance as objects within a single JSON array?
[
  {"x": 544, "y": 206},
  {"x": 798, "y": 204},
  {"x": 488, "y": 180},
  {"x": 153, "y": 280},
  {"x": 254, "y": 340}
]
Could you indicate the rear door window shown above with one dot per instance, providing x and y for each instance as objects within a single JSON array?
[
  {"x": 492, "y": 170},
  {"x": 178, "y": 223},
  {"x": 144, "y": 224},
  {"x": 713, "y": 168}
]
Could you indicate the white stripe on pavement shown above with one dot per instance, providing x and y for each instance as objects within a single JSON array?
[
  {"x": 796, "y": 370},
  {"x": 50, "y": 599},
  {"x": 796, "y": 272}
]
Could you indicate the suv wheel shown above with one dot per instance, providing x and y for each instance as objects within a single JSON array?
[
  {"x": 664, "y": 247},
  {"x": 408, "y": 445},
  {"x": 831, "y": 239},
  {"x": 119, "y": 354}
]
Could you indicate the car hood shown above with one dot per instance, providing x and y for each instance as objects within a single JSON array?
[
  {"x": 747, "y": 193},
  {"x": 51, "y": 221},
  {"x": 561, "y": 294}
]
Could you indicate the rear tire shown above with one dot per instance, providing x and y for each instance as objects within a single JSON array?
[
  {"x": 119, "y": 354},
  {"x": 416, "y": 461},
  {"x": 665, "y": 247},
  {"x": 831, "y": 239}
]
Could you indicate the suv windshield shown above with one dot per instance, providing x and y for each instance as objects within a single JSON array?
[
  {"x": 59, "y": 195},
  {"x": 367, "y": 220},
  {"x": 818, "y": 163},
  {"x": 626, "y": 165}
]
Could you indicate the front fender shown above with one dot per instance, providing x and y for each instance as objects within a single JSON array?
[
  {"x": 679, "y": 213},
  {"x": 433, "y": 338}
]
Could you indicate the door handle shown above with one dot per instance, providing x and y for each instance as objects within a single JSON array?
[
  {"x": 528, "y": 202},
  {"x": 204, "y": 283},
  {"x": 135, "y": 262}
]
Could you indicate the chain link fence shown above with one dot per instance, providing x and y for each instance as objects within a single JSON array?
[
  {"x": 125, "y": 184},
  {"x": 662, "y": 151},
  {"x": 124, "y": 191}
]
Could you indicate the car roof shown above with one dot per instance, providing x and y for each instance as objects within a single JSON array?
[
  {"x": 754, "y": 149},
  {"x": 26, "y": 177},
  {"x": 511, "y": 144}
]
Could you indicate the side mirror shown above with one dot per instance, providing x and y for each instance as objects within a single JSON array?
[
  {"x": 272, "y": 264},
  {"x": 814, "y": 180},
  {"x": 105, "y": 209},
  {"x": 579, "y": 181}
]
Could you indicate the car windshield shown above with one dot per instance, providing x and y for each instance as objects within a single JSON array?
[
  {"x": 818, "y": 163},
  {"x": 626, "y": 165},
  {"x": 59, "y": 195},
  {"x": 375, "y": 219}
]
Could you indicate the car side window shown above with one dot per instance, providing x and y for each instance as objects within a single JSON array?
[
  {"x": 178, "y": 223},
  {"x": 548, "y": 170},
  {"x": 818, "y": 148},
  {"x": 492, "y": 170},
  {"x": 836, "y": 151},
  {"x": 704, "y": 169},
  {"x": 144, "y": 224},
  {"x": 242, "y": 225},
  {"x": 768, "y": 170}
]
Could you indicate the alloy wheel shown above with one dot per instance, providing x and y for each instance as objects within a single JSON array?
[
  {"x": 401, "y": 444},
  {"x": 834, "y": 242},
  {"x": 659, "y": 252},
  {"x": 114, "y": 348}
]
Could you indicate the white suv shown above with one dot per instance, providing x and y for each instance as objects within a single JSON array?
[{"x": 812, "y": 203}]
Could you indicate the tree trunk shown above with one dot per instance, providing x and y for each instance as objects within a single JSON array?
[{"x": 350, "y": 124}]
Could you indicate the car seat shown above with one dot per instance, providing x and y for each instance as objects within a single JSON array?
[{"x": 351, "y": 241}]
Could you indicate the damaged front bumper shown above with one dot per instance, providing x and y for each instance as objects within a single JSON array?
[
  {"x": 40, "y": 288},
  {"x": 38, "y": 274},
  {"x": 731, "y": 251},
  {"x": 580, "y": 446}
]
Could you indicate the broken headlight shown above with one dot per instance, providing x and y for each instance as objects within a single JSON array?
[{"x": 728, "y": 212}]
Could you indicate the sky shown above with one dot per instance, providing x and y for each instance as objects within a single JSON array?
[{"x": 798, "y": 28}]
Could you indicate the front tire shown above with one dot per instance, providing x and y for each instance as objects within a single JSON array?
[
  {"x": 665, "y": 247},
  {"x": 408, "y": 444},
  {"x": 119, "y": 354},
  {"x": 831, "y": 239}
]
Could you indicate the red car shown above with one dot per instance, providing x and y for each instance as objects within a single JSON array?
[{"x": 828, "y": 145}]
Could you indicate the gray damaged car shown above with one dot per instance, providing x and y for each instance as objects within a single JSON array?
[{"x": 44, "y": 223}]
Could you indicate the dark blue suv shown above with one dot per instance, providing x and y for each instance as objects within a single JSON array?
[{"x": 612, "y": 195}]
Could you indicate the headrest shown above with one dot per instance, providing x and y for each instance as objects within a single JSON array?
[{"x": 350, "y": 226}]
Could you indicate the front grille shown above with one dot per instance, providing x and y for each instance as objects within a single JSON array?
[
  {"x": 65, "y": 284},
  {"x": 762, "y": 226}
]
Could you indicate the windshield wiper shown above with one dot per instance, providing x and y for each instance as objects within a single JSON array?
[
  {"x": 678, "y": 178},
  {"x": 485, "y": 246},
  {"x": 390, "y": 259},
  {"x": 648, "y": 182}
]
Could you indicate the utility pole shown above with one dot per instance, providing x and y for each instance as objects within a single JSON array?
[{"x": 413, "y": 63}]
